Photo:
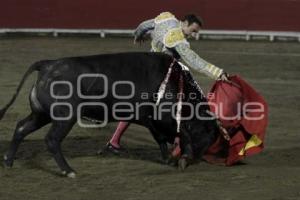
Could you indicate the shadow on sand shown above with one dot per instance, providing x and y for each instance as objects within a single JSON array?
[{"x": 32, "y": 153}]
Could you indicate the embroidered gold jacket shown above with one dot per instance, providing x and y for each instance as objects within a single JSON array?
[{"x": 167, "y": 36}]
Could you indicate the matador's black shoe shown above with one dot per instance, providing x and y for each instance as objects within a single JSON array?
[{"x": 110, "y": 149}]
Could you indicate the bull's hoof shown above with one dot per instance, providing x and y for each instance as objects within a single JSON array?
[
  {"x": 165, "y": 161},
  {"x": 171, "y": 161},
  {"x": 8, "y": 163},
  {"x": 69, "y": 174},
  {"x": 182, "y": 164}
]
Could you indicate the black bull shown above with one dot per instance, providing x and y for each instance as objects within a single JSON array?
[{"x": 56, "y": 102}]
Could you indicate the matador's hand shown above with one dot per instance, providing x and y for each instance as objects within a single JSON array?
[{"x": 224, "y": 77}]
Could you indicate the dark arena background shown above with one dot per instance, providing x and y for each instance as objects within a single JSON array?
[{"x": 257, "y": 39}]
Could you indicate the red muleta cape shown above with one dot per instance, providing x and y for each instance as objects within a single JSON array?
[{"x": 244, "y": 114}]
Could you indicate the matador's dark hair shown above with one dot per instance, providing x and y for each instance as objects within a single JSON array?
[{"x": 191, "y": 18}]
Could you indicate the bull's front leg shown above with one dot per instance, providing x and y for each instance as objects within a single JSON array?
[
  {"x": 187, "y": 155},
  {"x": 161, "y": 141},
  {"x": 164, "y": 152}
]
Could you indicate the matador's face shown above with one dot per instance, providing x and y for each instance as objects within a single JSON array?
[{"x": 190, "y": 30}]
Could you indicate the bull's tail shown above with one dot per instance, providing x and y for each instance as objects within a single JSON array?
[{"x": 32, "y": 68}]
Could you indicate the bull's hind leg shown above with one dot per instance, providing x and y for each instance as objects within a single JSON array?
[
  {"x": 24, "y": 127},
  {"x": 55, "y": 136}
]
